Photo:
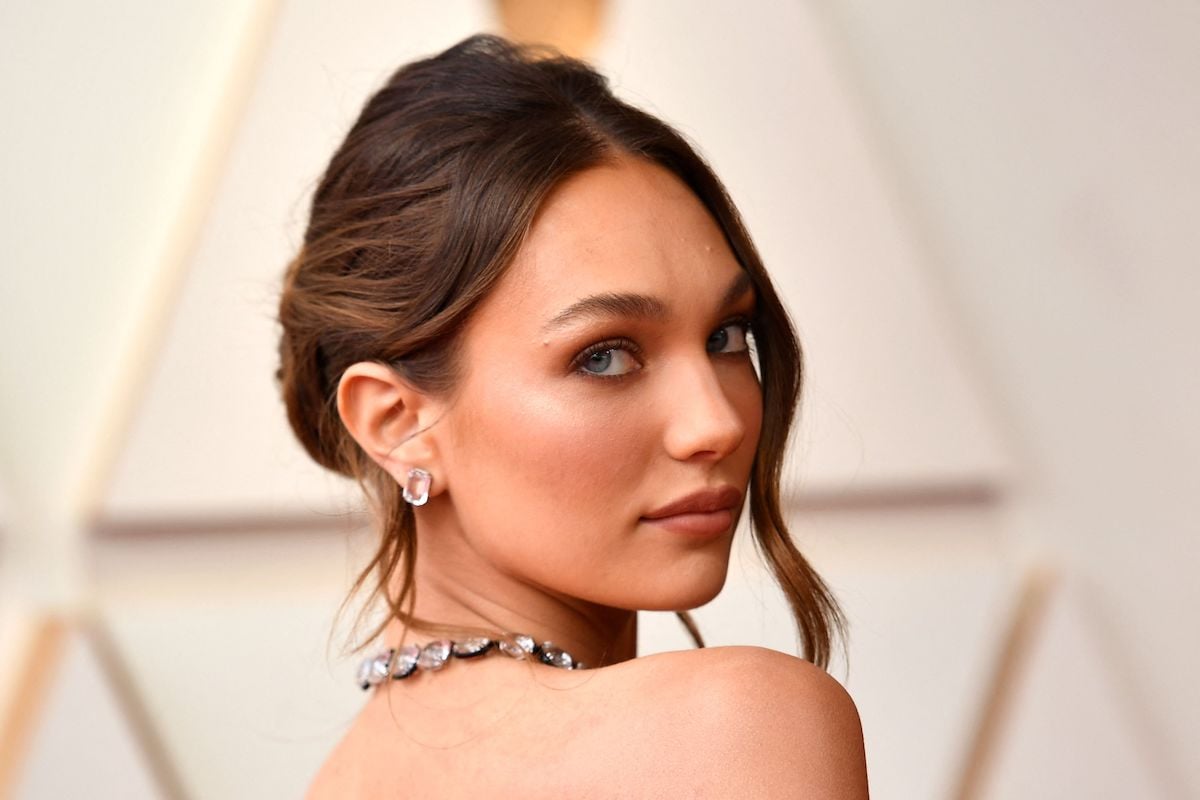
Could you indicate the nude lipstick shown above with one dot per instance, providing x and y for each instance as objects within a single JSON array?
[{"x": 705, "y": 513}]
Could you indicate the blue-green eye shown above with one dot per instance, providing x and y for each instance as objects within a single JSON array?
[
  {"x": 608, "y": 360},
  {"x": 617, "y": 358},
  {"x": 730, "y": 337}
]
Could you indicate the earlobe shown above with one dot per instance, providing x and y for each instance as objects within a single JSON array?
[{"x": 387, "y": 417}]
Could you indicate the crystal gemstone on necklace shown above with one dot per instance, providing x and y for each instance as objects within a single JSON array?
[
  {"x": 555, "y": 656},
  {"x": 406, "y": 661},
  {"x": 521, "y": 646},
  {"x": 433, "y": 655},
  {"x": 374, "y": 670},
  {"x": 475, "y": 646}
]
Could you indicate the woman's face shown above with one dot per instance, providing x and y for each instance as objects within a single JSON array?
[{"x": 607, "y": 376}]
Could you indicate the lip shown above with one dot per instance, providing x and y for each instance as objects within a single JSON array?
[
  {"x": 708, "y": 512},
  {"x": 700, "y": 524},
  {"x": 705, "y": 501}
]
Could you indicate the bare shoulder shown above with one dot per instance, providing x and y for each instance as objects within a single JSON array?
[
  {"x": 744, "y": 674},
  {"x": 760, "y": 723},
  {"x": 340, "y": 775}
]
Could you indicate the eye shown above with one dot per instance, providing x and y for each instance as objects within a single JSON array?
[
  {"x": 612, "y": 359},
  {"x": 732, "y": 337}
]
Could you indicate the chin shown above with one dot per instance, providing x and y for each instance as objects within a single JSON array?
[{"x": 684, "y": 595}]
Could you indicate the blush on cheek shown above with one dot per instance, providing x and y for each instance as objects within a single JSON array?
[
  {"x": 549, "y": 483},
  {"x": 581, "y": 452},
  {"x": 551, "y": 478}
]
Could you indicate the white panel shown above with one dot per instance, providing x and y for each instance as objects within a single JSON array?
[
  {"x": 889, "y": 403},
  {"x": 84, "y": 746},
  {"x": 1068, "y": 731},
  {"x": 928, "y": 597}
]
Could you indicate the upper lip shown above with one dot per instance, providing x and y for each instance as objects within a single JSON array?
[{"x": 706, "y": 500}]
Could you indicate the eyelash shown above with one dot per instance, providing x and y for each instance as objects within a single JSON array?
[{"x": 633, "y": 348}]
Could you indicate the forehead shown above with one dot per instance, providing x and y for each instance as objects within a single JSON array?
[{"x": 628, "y": 226}]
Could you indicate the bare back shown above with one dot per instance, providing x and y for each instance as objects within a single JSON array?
[{"x": 655, "y": 725}]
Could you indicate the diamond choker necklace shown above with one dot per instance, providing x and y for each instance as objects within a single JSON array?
[{"x": 400, "y": 664}]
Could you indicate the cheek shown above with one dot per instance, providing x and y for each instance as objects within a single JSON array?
[
  {"x": 549, "y": 479},
  {"x": 545, "y": 457}
]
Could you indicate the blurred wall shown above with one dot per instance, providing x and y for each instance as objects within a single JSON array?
[
  {"x": 979, "y": 214},
  {"x": 1049, "y": 156},
  {"x": 107, "y": 138}
]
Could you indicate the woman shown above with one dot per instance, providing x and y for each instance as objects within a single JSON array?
[{"x": 528, "y": 319}]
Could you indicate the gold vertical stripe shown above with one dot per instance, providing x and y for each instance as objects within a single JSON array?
[
  {"x": 35, "y": 677},
  {"x": 571, "y": 26},
  {"x": 1026, "y": 621},
  {"x": 137, "y": 360}
]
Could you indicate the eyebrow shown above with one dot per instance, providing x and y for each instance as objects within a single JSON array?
[{"x": 640, "y": 306}]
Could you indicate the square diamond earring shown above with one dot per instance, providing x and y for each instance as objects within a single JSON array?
[{"x": 416, "y": 488}]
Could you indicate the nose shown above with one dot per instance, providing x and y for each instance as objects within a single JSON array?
[{"x": 702, "y": 422}]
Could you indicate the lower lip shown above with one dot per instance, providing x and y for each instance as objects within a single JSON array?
[{"x": 699, "y": 524}]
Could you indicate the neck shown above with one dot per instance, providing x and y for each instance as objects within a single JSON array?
[{"x": 454, "y": 587}]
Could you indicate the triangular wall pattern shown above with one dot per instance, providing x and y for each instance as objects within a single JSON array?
[
  {"x": 82, "y": 742},
  {"x": 1067, "y": 687},
  {"x": 236, "y": 675}
]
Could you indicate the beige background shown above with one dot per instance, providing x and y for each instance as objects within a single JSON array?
[{"x": 979, "y": 216}]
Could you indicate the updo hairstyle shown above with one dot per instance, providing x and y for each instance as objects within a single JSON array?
[{"x": 420, "y": 211}]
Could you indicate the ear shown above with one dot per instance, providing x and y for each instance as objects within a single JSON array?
[{"x": 388, "y": 418}]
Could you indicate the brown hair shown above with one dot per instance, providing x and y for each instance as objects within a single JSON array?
[{"x": 419, "y": 213}]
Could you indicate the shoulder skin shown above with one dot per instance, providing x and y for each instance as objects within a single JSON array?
[{"x": 753, "y": 722}]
